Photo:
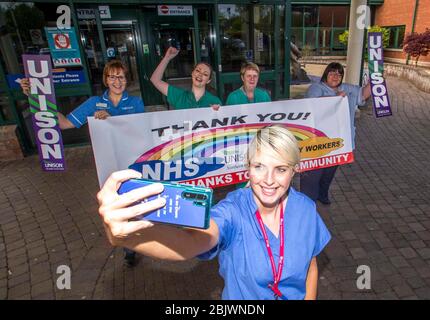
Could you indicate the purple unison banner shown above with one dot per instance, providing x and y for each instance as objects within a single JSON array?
[
  {"x": 381, "y": 102},
  {"x": 43, "y": 106}
]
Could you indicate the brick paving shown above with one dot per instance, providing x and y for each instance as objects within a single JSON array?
[{"x": 380, "y": 218}]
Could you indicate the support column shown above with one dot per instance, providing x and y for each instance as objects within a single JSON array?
[{"x": 355, "y": 44}]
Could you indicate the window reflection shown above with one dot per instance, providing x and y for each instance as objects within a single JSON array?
[
  {"x": 234, "y": 34},
  {"x": 5, "y": 112},
  {"x": 247, "y": 34},
  {"x": 264, "y": 37}
]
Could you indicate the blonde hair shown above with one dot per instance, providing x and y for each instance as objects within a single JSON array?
[
  {"x": 278, "y": 141},
  {"x": 249, "y": 66},
  {"x": 113, "y": 66}
]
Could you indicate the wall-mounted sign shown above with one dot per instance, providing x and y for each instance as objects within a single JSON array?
[
  {"x": 36, "y": 36},
  {"x": 249, "y": 55},
  {"x": 165, "y": 10},
  {"x": 89, "y": 13},
  {"x": 63, "y": 47},
  {"x": 66, "y": 77},
  {"x": 110, "y": 52}
]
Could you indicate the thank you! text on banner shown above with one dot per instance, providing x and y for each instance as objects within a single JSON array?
[
  {"x": 207, "y": 147},
  {"x": 38, "y": 70},
  {"x": 381, "y": 101}
]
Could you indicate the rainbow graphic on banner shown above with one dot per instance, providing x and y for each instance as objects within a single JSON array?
[
  {"x": 205, "y": 143},
  {"x": 198, "y": 154}
]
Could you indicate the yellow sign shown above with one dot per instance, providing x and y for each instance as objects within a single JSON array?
[{"x": 319, "y": 146}]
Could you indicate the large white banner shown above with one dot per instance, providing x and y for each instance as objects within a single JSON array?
[{"x": 207, "y": 147}]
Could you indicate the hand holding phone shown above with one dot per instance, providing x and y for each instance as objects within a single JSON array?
[
  {"x": 117, "y": 211},
  {"x": 186, "y": 205}
]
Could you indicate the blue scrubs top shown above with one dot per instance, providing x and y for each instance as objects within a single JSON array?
[
  {"x": 354, "y": 94},
  {"x": 243, "y": 259},
  {"x": 127, "y": 105}
]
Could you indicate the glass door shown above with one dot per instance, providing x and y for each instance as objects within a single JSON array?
[
  {"x": 247, "y": 33},
  {"x": 120, "y": 40},
  {"x": 180, "y": 36}
]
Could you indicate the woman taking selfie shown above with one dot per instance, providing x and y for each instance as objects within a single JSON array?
[{"x": 267, "y": 236}]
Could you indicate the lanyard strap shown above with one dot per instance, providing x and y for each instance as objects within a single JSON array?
[{"x": 276, "y": 275}]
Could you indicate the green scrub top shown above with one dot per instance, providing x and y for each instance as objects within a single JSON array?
[
  {"x": 183, "y": 99},
  {"x": 239, "y": 97}
]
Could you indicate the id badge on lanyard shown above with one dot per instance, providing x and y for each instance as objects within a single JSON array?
[{"x": 276, "y": 275}]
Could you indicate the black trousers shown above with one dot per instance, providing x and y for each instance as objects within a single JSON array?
[{"x": 316, "y": 183}]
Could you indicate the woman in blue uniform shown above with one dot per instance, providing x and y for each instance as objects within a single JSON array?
[
  {"x": 267, "y": 236},
  {"x": 115, "y": 101},
  {"x": 315, "y": 184}
]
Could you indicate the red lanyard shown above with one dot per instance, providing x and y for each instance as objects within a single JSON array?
[{"x": 276, "y": 275}]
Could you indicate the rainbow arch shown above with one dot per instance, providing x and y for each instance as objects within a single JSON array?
[{"x": 205, "y": 143}]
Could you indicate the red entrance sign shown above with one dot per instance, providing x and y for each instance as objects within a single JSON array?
[
  {"x": 62, "y": 41},
  {"x": 164, "y": 9}
]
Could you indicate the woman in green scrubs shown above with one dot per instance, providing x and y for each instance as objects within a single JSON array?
[
  {"x": 248, "y": 92},
  {"x": 179, "y": 98}
]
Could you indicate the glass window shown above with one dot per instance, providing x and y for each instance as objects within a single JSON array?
[
  {"x": 311, "y": 16},
  {"x": 234, "y": 23},
  {"x": 326, "y": 16},
  {"x": 297, "y": 16},
  {"x": 5, "y": 112},
  {"x": 264, "y": 37},
  {"x": 297, "y": 37},
  {"x": 207, "y": 36},
  {"x": 281, "y": 57},
  {"x": 401, "y": 36},
  {"x": 397, "y": 35},
  {"x": 336, "y": 43},
  {"x": 310, "y": 36},
  {"x": 340, "y": 16},
  {"x": 324, "y": 38},
  {"x": 93, "y": 50},
  {"x": 24, "y": 31}
]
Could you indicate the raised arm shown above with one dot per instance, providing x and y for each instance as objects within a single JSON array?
[
  {"x": 63, "y": 122},
  {"x": 154, "y": 240},
  {"x": 157, "y": 75}
]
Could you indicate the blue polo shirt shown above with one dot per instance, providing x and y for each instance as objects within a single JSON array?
[
  {"x": 353, "y": 92},
  {"x": 127, "y": 105},
  {"x": 243, "y": 259}
]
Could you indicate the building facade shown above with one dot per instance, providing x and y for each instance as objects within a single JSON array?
[
  {"x": 223, "y": 33},
  {"x": 403, "y": 17}
]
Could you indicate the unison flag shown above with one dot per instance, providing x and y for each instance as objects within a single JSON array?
[
  {"x": 381, "y": 102},
  {"x": 38, "y": 70}
]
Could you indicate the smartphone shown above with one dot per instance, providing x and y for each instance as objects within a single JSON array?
[{"x": 186, "y": 205}]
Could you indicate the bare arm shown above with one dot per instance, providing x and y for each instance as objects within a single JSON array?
[
  {"x": 154, "y": 240},
  {"x": 312, "y": 280},
  {"x": 157, "y": 75},
  {"x": 63, "y": 122}
]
